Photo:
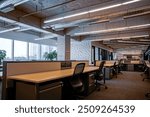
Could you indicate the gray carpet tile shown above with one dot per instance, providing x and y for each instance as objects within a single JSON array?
[{"x": 128, "y": 86}]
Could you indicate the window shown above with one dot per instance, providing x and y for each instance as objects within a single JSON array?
[
  {"x": 44, "y": 49},
  {"x": 6, "y": 44},
  {"x": 20, "y": 50},
  {"x": 34, "y": 51}
]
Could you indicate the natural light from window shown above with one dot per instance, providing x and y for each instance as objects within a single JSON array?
[
  {"x": 6, "y": 44},
  {"x": 20, "y": 50}
]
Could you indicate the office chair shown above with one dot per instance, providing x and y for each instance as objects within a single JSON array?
[
  {"x": 114, "y": 69},
  {"x": 146, "y": 71},
  {"x": 76, "y": 82},
  {"x": 119, "y": 66},
  {"x": 99, "y": 76}
]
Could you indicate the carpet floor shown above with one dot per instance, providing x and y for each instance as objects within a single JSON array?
[{"x": 128, "y": 86}]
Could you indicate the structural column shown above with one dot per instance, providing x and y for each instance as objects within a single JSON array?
[
  {"x": 63, "y": 47},
  {"x": 67, "y": 47}
]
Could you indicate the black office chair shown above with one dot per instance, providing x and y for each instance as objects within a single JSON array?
[
  {"x": 114, "y": 69},
  {"x": 119, "y": 66},
  {"x": 146, "y": 71},
  {"x": 99, "y": 76},
  {"x": 76, "y": 81}
]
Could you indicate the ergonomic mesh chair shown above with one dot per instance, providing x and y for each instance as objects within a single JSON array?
[
  {"x": 114, "y": 69},
  {"x": 76, "y": 82},
  {"x": 99, "y": 76}
]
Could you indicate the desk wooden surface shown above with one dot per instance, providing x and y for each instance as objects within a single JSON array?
[
  {"x": 48, "y": 76},
  {"x": 108, "y": 65}
]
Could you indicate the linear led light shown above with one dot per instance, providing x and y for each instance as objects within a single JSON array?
[
  {"x": 132, "y": 42},
  {"x": 20, "y": 2},
  {"x": 24, "y": 25},
  {"x": 10, "y": 29},
  {"x": 112, "y": 30},
  {"x": 23, "y": 29},
  {"x": 46, "y": 37},
  {"x": 8, "y": 5},
  {"x": 91, "y": 11},
  {"x": 7, "y": 20},
  {"x": 128, "y": 37},
  {"x": 144, "y": 39}
]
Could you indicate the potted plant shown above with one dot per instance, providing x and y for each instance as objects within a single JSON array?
[
  {"x": 51, "y": 55},
  {"x": 2, "y": 55}
]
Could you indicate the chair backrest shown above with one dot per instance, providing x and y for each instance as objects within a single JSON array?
[
  {"x": 75, "y": 81},
  {"x": 100, "y": 72},
  {"x": 79, "y": 69},
  {"x": 101, "y": 65}
]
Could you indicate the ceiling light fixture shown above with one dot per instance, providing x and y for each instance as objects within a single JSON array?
[
  {"x": 46, "y": 37},
  {"x": 21, "y": 2},
  {"x": 129, "y": 37},
  {"x": 112, "y": 30},
  {"x": 24, "y": 25},
  {"x": 24, "y": 29},
  {"x": 133, "y": 42},
  {"x": 9, "y": 5},
  {"x": 91, "y": 11},
  {"x": 10, "y": 29}
]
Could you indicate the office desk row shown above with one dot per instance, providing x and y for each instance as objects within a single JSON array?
[{"x": 47, "y": 85}]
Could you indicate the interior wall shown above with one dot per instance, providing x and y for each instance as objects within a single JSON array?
[
  {"x": 61, "y": 48},
  {"x": 81, "y": 50}
]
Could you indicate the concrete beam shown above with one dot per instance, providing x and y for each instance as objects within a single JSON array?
[
  {"x": 118, "y": 35},
  {"x": 16, "y": 16},
  {"x": 124, "y": 8},
  {"x": 139, "y": 20}
]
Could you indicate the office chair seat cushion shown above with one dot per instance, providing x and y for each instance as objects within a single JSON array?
[{"x": 76, "y": 84}]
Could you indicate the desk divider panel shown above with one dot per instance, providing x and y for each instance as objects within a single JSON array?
[
  {"x": 31, "y": 67},
  {"x": 25, "y": 67}
]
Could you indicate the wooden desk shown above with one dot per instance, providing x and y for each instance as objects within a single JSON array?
[
  {"x": 132, "y": 66},
  {"x": 36, "y": 84},
  {"x": 108, "y": 65},
  {"x": 48, "y": 76}
]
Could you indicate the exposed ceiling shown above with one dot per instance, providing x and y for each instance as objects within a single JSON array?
[{"x": 113, "y": 23}]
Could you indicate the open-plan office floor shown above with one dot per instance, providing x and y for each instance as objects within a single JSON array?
[{"x": 127, "y": 86}]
